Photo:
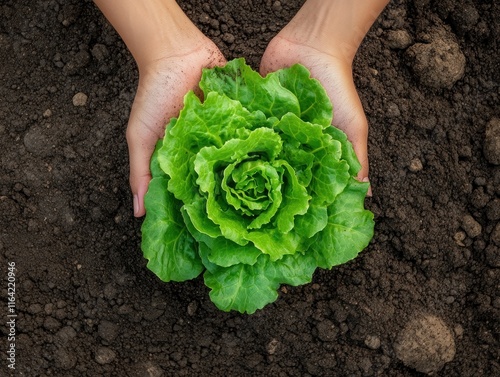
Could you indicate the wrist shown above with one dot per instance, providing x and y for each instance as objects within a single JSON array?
[
  {"x": 153, "y": 29},
  {"x": 335, "y": 27}
]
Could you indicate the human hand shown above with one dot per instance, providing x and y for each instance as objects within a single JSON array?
[
  {"x": 160, "y": 93},
  {"x": 335, "y": 74},
  {"x": 324, "y": 36},
  {"x": 170, "y": 52}
]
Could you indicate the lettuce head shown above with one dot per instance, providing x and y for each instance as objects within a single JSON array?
[{"x": 253, "y": 188}]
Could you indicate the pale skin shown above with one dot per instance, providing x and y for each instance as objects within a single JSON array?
[{"x": 170, "y": 52}]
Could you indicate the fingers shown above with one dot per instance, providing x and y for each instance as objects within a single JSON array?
[
  {"x": 360, "y": 145},
  {"x": 357, "y": 133},
  {"x": 145, "y": 127},
  {"x": 141, "y": 187},
  {"x": 361, "y": 150},
  {"x": 348, "y": 112},
  {"x": 159, "y": 97},
  {"x": 140, "y": 148}
]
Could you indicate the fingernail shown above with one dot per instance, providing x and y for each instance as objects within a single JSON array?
[
  {"x": 367, "y": 180},
  {"x": 136, "y": 205}
]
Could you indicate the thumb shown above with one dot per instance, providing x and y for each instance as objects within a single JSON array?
[
  {"x": 361, "y": 150},
  {"x": 357, "y": 134},
  {"x": 146, "y": 125},
  {"x": 140, "y": 149},
  {"x": 141, "y": 139},
  {"x": 350, "y": 117}
]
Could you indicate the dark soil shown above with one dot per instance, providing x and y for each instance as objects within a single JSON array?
[{"x": 87, "y": 306}]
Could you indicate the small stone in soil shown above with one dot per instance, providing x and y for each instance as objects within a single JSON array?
[
  {"x": 372, "y": 342},
  {"x": 471, "y": 226},
  {"x": 105, "y": 355},
  {"x": 80, "y": 99},
  {"x": 439, "y": 63},
  {"x": 398, "y": 39},
  {"x": 425, "y": 344},
  {"x": 416, "y": 165}
]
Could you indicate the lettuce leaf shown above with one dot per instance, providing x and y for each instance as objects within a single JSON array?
[{"x": 254, "y": 188}]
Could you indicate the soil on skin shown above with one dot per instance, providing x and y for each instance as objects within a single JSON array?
[{"x": 87, "y": 306}]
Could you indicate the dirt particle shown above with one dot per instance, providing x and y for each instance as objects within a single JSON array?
[
  {"x": 459, "y": 238},
  {"x": 491, "y": 146},
  {"x": 204, "y": 18},
  {"x": 51, "y": 324},
  {"x": 439, "y": 63},
  {"x": 492, "y": 254},
  {"x": 372, "y": 342},
  {"x": 100, "y": 52},
  {"x": 108, "y": 331},
  {"x": 416, "y": 165},
  {"x": 493, "y": 210},
  {"x": 327, "y": 331},
  {"x": 253, "y": 360},
  {"x": 192, "y": 307},
  {"x": 496, "y": 303},
  {"x": 398, "y": 39},
  {"x": 69, "y": 152},
  {"x": 465, "y": 17},
  {"x": 110, "y": 291},
  {"x": 104, "y": 355},
  {"x": 425, "y": 344},
  {"x": 49, "y": 308},
  {"x": 215, "y": 24},
  {"x": 80, "y": 99},
  {"x": 272, "y": 346},
  {"x": 228, "y": 38},
  {"x": 35, "y": 309},
  {"x": 459, "y": 331},
  {"x": 78, "y": 61},
  {"x": 495, "y": 234},
  {"x": 66, "y": 334},
  {"x": 327, "y": 361},
  {"x": 147, "y": 369},
  {"x": 479, "y": 199},
  {"x": 393, "y": 110},
  {"x": 37, "y": 141},
  {"x": 64, "y": 359},
  {"x": 365, "y": 365},
  {"x": 68, "y": 14},
  {"x": 151, "y": 314},
  {"x": 471, "y": 226},
  {"x": 57, "y": 59}
]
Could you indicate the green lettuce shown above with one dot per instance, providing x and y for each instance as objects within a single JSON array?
[{"x": 254, "y": 188}]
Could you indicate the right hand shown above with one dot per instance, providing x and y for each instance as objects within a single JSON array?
[{"x": 162, "y": 86}]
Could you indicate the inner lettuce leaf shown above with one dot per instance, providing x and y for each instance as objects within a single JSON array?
[{"x": 253, "y": 188}]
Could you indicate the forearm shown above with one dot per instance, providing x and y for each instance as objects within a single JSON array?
[
  {"x": 151, "y": 29},
  {"x": 339, "y": 24}
]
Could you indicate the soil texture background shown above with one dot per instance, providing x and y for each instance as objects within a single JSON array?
[{"x": 422, "y": 299}]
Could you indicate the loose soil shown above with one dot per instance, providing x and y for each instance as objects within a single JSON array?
[{"x": 87, "y": 306}]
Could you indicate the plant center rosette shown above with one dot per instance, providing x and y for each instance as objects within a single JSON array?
[{"x": 254, "y": 188}]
